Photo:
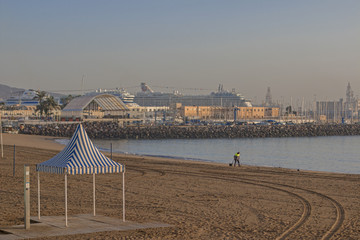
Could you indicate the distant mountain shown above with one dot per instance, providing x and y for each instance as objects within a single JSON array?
[{"x": 6, "y": 91}]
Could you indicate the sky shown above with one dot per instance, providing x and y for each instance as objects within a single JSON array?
[{"x": 300, "y": 49}]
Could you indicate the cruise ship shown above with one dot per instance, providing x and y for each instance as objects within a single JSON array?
[
  {"x": 26, "y": 98},
  {"x": 224, "y": 98}
]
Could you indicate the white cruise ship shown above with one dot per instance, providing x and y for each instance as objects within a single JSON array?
[{"x": 27, "y": 98}]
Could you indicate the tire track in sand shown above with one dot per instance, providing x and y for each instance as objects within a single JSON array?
[
  {"x": 306, "y": 204},
  {"x": 340, "y": 212}
]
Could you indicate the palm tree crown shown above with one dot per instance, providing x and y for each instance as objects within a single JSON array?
[{"x": 46, "y": 103}]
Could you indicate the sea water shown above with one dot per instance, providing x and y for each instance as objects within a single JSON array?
[{"x": 332, "y": 154}]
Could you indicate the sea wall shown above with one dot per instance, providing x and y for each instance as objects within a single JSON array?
[{"x": 108, "y": 130}]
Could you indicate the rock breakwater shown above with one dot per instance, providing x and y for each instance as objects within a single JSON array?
[{"x": 112, "y": 130}]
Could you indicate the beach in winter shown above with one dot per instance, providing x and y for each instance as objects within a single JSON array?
[{"x": 199, "y": 200}]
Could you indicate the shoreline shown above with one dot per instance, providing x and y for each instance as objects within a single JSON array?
[{"x": 50, "y": 143}]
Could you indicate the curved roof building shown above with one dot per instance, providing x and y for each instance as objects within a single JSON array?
[{"x": 95, "y": 106}]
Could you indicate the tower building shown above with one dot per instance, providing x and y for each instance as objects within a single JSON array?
[
  {"x": 268, "y": 98},
  {"x": 350, "y": 103}
]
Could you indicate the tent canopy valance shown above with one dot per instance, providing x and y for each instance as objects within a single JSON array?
[{"x": 80, "y": 156}]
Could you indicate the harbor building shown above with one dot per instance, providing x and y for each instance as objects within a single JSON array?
[
  {"x": 250, "y": 112},
  {"x": 228, "y": 113},
  {"x": 95, "y": 107},
  {"x": 197, "y": 112}
]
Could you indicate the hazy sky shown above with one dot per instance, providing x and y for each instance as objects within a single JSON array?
[{"x": 298, "y": 48}]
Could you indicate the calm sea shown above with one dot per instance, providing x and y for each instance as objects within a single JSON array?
[{"x": 333, "y": 154}]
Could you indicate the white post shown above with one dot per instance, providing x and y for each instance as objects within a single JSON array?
[
  {"x": 94, "y": 191},
  {"x": 27, "y": 196},
  {"x": 66, "y": 218},
  {"x": 38, "y": 175},
  {"x": 123, "y": 196}
]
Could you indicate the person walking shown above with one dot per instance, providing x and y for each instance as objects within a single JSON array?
[{"x": 237, "y": 159}]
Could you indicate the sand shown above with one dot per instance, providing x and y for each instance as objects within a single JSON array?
[{"x": 199, "y": 200}]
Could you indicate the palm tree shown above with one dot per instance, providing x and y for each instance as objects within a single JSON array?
[
  {"x": 50, "y": 104},
  {"x": 40, "y": 96}
]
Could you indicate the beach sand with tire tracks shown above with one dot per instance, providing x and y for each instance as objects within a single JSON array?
[{"x": 199, "y": 200}]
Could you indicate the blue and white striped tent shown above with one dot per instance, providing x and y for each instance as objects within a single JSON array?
[{"x": 80, "y": 156}]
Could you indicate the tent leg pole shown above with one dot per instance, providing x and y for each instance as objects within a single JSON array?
[
  {"x": 94, "y": 192},
  {"x": 66, "y": 217},
  {"x": 38, "y": 176},
  {"x": 123, "y": 196}
]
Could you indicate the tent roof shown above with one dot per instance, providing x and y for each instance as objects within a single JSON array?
[{"x": 80, "y": 156}]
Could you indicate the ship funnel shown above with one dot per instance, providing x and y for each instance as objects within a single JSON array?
[{"x": 146, "y": 88}]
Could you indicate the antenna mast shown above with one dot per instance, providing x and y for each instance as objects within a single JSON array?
[{"x": 82, "y": 84}]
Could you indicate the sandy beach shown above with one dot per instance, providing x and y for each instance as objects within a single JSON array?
[{"x": 199, "y": 200}]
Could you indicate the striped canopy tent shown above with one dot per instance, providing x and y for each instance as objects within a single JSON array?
[{"x": 80, "y": 156}]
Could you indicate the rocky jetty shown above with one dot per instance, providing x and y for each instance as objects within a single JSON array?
[{"x": 112, "y": 130}]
